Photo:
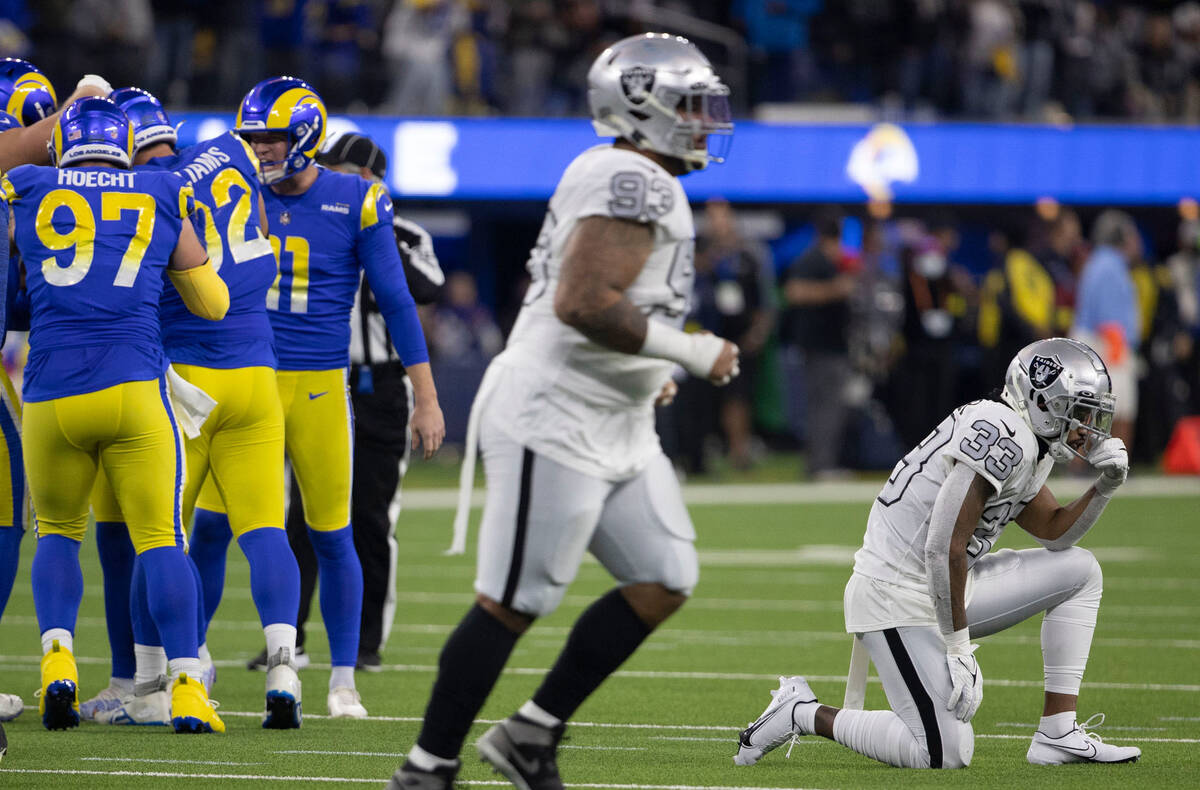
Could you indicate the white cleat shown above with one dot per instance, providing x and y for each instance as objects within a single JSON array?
[
  {"x": 344, "y": 703},
  {"x": 149, "y": 705},
  {"x": 1079, "y": 746},
  {"x": 283, "y": 693},
  {"x": 107, "y": 700},
  {"x": 11, "y": 706},
  {"x": 777, "y": 725}
]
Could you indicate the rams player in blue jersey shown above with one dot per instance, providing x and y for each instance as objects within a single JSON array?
[
  {"x": 27, "y": 117},
  {"x": 326, "y": 228},
  {"x": 241, "y": 443},
  {"x": 95, "y": 238}
]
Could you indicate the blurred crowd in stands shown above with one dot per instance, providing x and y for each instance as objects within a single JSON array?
[
  {"x": 871, "y": 331},
  {"x": 1048, "y": 60}
]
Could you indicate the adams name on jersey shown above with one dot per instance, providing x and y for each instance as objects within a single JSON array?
[
  {"x": 889, "y": 587},
  {"x": 223, "y": 172},
  {"x": 587, "y": 406}
]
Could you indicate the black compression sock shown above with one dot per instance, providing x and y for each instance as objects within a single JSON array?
[
  {"x": 470, "y": 663},
  {"x": 602, "y": 638}
]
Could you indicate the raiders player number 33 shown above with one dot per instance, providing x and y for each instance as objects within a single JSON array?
[{"x": 926, "y": 579}]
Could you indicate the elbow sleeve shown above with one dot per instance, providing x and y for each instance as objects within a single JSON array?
[{"x": 202, "y": 290}]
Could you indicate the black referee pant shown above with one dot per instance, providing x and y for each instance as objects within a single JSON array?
[{"x": 381, "y": 447}]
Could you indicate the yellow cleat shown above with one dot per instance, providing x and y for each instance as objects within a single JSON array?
[
  {"x": 191, "y": 709},
  {"x": 58, "y": 702}
]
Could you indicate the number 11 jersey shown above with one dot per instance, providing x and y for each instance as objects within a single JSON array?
[{"x": 991, "y": 439}]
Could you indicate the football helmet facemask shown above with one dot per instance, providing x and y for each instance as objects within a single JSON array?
[
  {"x": 25, "y": 93},
  {"x": 91, "y": 128},
  {"x": 660, "y": 93},
  {"x": 149, "y": 120},
  {"x": 291, "y": 106},
  {"x": 1061, "y": 388}
]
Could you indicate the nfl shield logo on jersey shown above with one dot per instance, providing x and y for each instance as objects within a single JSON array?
[
  {"x": 636, "y": 83},
  {"x": 1043, "y": 371},
  {"x": 286, "y": 217}
]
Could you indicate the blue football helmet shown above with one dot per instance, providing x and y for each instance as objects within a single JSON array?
[
  {"x": 25, "y": 93},
  {"x": 147, "y": 117},
  {"x": 8, "y": 122},
  {"x": 289, "y": 105},
  {"x": 92, "y": 128}
]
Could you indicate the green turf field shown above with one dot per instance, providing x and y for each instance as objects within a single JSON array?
[{"x": 769, "y": 602}]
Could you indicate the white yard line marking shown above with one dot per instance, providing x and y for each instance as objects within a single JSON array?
[
  {"x": 152, "y": 760},
  {"x": 360, "y": 780},
  {"x": 328, "y": 751},
  {"x": 997, "y": 736},
  {"x": 1179, "y": 718},
  {"x": 1107, "y": 727},
  {"x": 855, "y": 492},
  {"x": 31, "y": 661}
]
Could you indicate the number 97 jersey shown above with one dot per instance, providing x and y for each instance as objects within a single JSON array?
[
  {"x": 95, "y": 242},
  {"x": 988, "y": 437}
]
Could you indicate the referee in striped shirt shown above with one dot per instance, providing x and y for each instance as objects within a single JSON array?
[{"x": 383, "y": 400}]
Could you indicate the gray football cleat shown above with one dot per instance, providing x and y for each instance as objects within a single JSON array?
[
  {"x": 525, "y": 752},
  {"x": 410, "y": 777}
]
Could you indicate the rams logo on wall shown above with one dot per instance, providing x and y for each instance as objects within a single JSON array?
[{"x": 885, "y": 156}]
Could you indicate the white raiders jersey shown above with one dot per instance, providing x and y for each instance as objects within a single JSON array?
[
  {"x": 587, "y": 406},
  {"x": 890, "y": 585}
]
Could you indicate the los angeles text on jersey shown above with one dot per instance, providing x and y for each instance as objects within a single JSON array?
[{"x": 106, "y": 177}]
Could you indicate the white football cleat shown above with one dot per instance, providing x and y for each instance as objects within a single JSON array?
[
  {"x": 11, "y": 706},
  {"x": 777, "y": 725},
  {"x": 107, "y": 700},
  {"x": 283, "y": 693},
  {"x": 1079, "y": 746},
  {"x": 149, "y": 705},
  {"x": 344, "y": 703}
]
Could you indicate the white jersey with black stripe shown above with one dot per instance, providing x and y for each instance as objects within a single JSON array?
[
  {"x": 588, "y": 406},
  {"x": 995, "y": 442}
]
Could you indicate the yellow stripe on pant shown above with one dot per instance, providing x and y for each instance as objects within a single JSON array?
[
  {"x": 319, "y": 431},
  {"x": 14, "y": 493},
  {"x": 128, "y": 430},
  {"x": 240, "y": 449}
]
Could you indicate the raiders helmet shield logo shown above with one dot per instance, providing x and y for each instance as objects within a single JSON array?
[
  {"x": 637, "y": 83},
  {"x": 1043, "y": 371}
]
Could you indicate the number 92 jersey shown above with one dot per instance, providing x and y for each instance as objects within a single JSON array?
[
  {"x": 95, "y": 242},
  {"x": 223, "y": 172},
  {"x": 991, "y": 439}
]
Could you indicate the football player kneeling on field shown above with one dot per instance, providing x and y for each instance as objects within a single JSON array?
[{"x": 924, "y": 581}]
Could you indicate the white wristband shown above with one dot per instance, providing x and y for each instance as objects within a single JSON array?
[
  {"x": 1107, "y": 486},
  {"x": 696, "y": 352},
  {"x": 94, "y": 81},
  {"x": 959, "y": 642}
]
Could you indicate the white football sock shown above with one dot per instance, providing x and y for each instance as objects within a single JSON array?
[
  {"x": 122, "y": 685},
  {"x": 151, "y": 663},
  {"x": 880, "y": 735},
  {"x": 191, "y": 666},
  {"x": 427, "y": 761},
  {"x": 1058, "y": 725},
  {"x": 341, "y": 677},
  {"x": 804, "y": 717},
  {"x": 203, "y": 654},
  {"x": 1067, "y": 635},
  {"x": 532, "y": 711},
  {"x": 65, "y": 640},
  {"x": 280, "y": 635}
]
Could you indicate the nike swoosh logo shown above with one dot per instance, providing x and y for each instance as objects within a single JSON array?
[
  {"x": 311, "y": 396},
  {"x": 528, "y": 767},
  {"x": 1011, "y": 432}
]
